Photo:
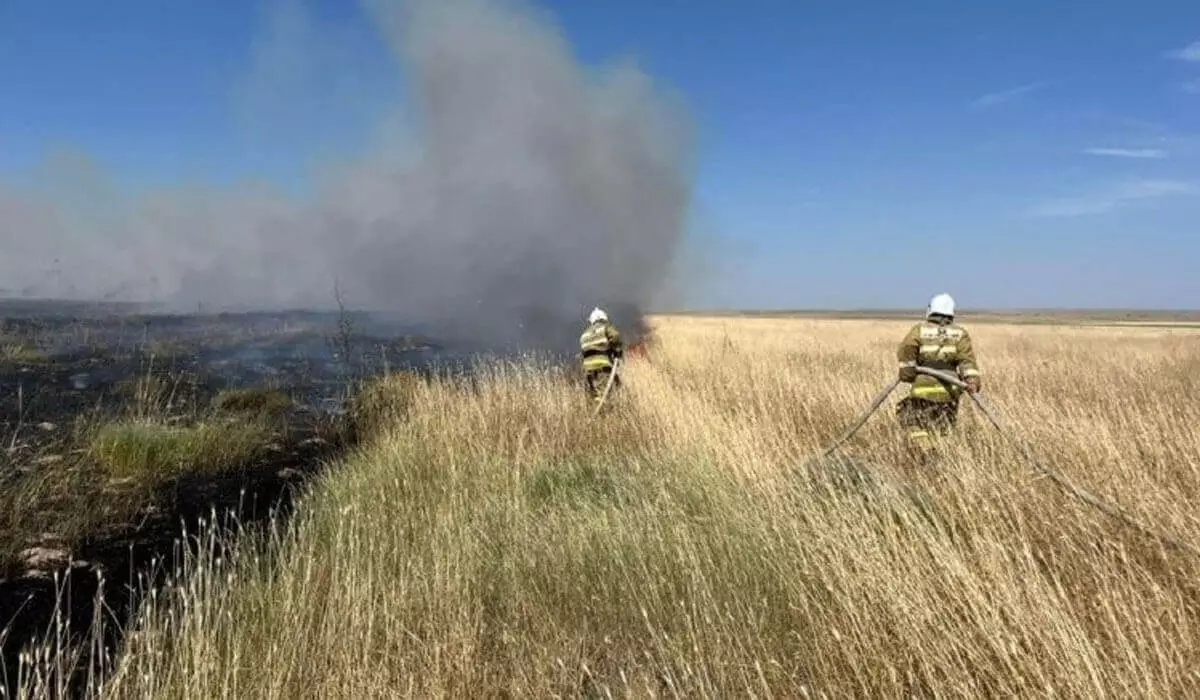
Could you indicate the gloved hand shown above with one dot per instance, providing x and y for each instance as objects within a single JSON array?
[
  {"x": 974, "y": 385},
  {"x": 908, "y": 374}
]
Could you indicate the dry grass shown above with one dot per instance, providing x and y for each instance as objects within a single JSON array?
[
  {"x": 259, "y": 402},
  {"x": 492, "y": 540},
  {"x": 20, "y": 353}
]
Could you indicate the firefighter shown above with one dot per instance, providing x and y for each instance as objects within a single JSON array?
[
  {"x": 599, "y": 347},
  {"x": 931, "y": 408}
]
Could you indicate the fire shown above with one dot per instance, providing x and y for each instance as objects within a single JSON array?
[{"x": 641, "y": 347}]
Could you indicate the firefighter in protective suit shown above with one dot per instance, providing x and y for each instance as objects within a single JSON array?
[
  {"x": 931, "y": 408},
  {"x": 600, "y": 346}
]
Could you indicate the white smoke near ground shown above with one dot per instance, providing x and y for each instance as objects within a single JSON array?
[{"x": 534, "y": 189}]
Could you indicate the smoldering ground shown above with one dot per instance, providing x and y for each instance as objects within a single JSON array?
[{"x": 523, "y": 190}]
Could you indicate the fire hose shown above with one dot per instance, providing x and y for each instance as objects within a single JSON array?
[
  {"x": 1054, "y": 475},
  {"x": 607, "y": 386}
]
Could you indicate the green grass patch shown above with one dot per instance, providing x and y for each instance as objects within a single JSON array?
[
  {"x": 150, "y": 450},
  {"x": 573, "y": 485}
]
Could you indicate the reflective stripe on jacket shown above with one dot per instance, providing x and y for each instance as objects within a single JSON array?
[{"x": 599, "y": 344}]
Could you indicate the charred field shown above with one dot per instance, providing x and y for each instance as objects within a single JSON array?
[{"x": 120, "y": 430}]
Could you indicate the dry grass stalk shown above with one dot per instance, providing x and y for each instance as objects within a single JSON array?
[{"x": 494, "y": 540}]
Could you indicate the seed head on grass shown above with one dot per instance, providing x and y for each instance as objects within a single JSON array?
[{"x": 498, "y": 541}]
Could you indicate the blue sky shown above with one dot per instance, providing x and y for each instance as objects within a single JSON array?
[{"x": 851, "y": 154}]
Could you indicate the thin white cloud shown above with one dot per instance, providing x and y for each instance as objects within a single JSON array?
[
  {"x": 1127, "y": 152},
  {"x": 1191, "y": 52},
  {"x": 1140, "y": 133},
  {"x": 993, "y": 99},
  {"x": 1114, "y": 197}
]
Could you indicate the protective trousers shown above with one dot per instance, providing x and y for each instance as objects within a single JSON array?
[
  {"x": 924, "y": 420},
  {"x": 595, "y": 380}
]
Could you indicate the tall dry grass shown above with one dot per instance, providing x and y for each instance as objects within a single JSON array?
[{"x": 493, "y": 540}]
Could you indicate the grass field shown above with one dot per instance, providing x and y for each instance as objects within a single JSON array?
[{"x": 491, "y": 539}]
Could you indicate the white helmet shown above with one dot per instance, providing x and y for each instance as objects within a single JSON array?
[
  {"x": 597, "y": 315},
  {"x": 941, "y": 304}
]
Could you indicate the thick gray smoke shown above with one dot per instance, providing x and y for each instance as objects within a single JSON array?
[{"x": 533, "y": 191}]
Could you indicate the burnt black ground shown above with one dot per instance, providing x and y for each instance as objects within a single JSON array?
[
  {"x": 142, "y": 552},
  {"x": 64, "y": 362}
]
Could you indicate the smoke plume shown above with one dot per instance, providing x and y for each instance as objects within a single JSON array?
[{"x": 532, "y": 190}]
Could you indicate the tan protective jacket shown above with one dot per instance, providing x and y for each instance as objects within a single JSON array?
[
  {"x": 599, "y": 345},
  {"x": 941, "y": 345}
]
